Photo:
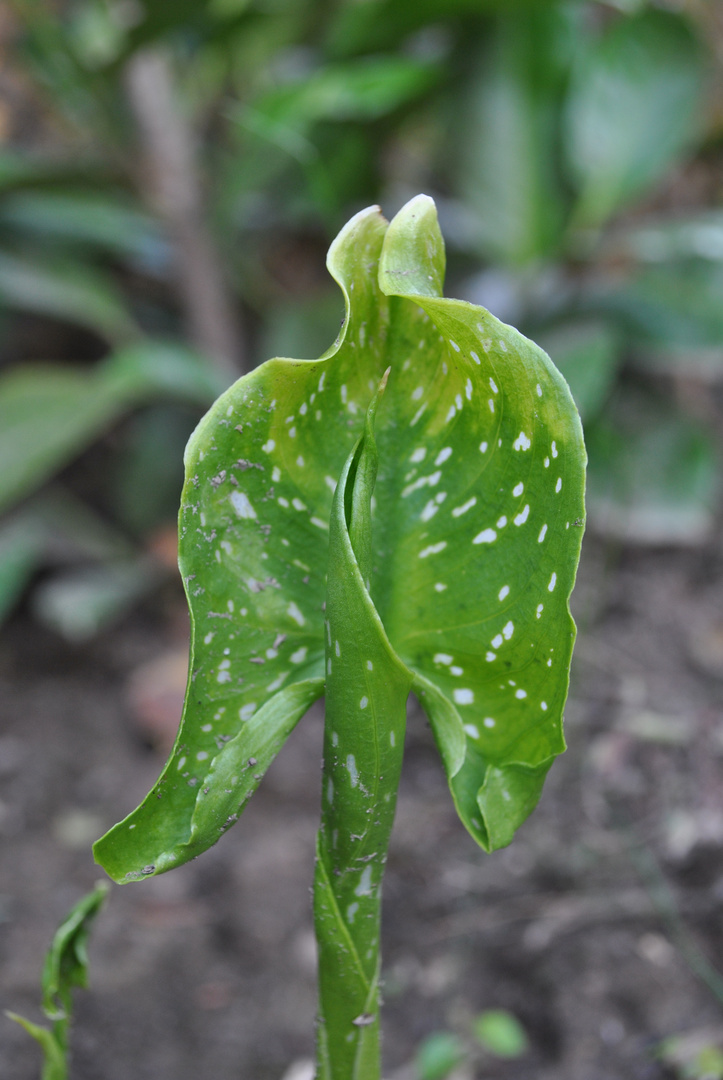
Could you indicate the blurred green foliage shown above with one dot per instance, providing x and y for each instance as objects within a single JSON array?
[
  {"x": 563, "y": 141},
  {"x": 493, "y": 1034}
]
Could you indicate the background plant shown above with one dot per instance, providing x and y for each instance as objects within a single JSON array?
[{"x": 539, "y": 128}]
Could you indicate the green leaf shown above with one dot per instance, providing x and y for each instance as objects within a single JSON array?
[
  {"x": 508, "y": 137},
  {"x": 438, "y": 1055},
  {"x": 588, "y": 354},
  {"x": 698, "y": 236},
  {"x": 634, "y": 108},
  {"x": 66, "y": 290},
  {"x": 674, "y": 316},
  {"x": 54, "y": 1062},
  {"x": 478, "y": 503},
  {"x": 48, "y": 413},
  {"x": 501, "y": 1033},
  {"x": 362, "y": 89},
  {"x": 79, "y": 602},
  {"x": 653, "y": 472},
  {"x": 22, "y": 544},
  {"x": 253, "y": 540},
  {"x": 66, "y": 967},
  {"x": 86, "y": 220}
]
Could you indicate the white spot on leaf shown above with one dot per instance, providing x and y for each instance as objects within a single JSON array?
[
  {"x": 241, "y": 505},
  {"x": 459, "y": 510},
  {"x": 295, "y": 614},
  {"x": 433, "y": 549},
  {"x": 487, "y": 536},
  {"x": 353, "y": 771}
]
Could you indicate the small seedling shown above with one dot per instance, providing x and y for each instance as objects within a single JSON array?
[
  {"x": 66, "y": 966},
  {"x": 495, "y": 1032},
  {"x": 398, "y": 516}
]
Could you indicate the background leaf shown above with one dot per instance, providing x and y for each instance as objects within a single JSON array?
[
  {"x": 507, "y": 139},
  {"x": 653, "y": 473},
  {"x": 501, "y": 1033},
  {"x": 48, "y": 413},
  {"x": 633, "y": 109}
]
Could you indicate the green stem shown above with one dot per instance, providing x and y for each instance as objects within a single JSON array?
[{"x": 366, "y": 691}]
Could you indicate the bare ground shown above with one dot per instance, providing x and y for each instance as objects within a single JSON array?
[{"x": 590, "y": 927}]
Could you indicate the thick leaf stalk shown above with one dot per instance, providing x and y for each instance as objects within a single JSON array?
[{"x": 366, "y": 692}]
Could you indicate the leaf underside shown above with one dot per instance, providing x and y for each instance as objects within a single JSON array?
[{"x": 477, "y": 525}]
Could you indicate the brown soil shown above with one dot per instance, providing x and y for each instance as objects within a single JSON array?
[{"x": 588, "y": 927}]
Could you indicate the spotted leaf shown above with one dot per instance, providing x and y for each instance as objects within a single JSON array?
[{"x": 472, "y": 545}]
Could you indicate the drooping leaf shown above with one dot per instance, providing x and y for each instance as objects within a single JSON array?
[
  {"x": 634, "y": 107},
  {"x": 477, "y": 530}
]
